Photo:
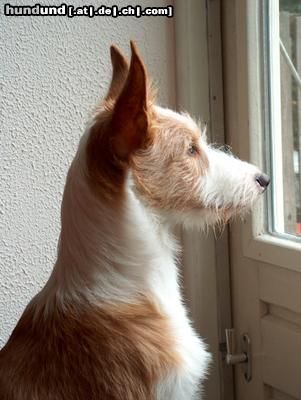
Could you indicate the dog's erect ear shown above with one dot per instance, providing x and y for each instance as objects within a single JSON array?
[
  {"x": 120, "y": 73},
  {"x": 129, "y": 119}
]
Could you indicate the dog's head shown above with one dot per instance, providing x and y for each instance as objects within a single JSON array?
[{"x": 173, "y": 170}]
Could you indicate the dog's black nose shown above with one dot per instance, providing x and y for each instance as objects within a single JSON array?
[{"x": 263, "y": 180}]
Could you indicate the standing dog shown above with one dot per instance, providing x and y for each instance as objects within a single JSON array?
[{"x": 110, "y": 323}]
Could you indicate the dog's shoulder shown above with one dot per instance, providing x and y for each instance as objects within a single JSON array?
[{"x": 116, "y": 351}]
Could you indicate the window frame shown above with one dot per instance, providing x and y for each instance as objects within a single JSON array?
[
  {"x": 258, "y": 242},
  {"x": 271, "y": 55}
]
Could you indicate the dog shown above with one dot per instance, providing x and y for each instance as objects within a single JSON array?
[{"x": 110, "y": 322}]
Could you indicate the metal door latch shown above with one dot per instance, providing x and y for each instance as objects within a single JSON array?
[{"x": 244, "y": 357}]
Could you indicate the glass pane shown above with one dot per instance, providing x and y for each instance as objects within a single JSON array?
[{"x": 284, "y": 75}]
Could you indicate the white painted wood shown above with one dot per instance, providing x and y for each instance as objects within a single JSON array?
[
  {"x": 281, "y": 361},
  {"x": 276, "y": 121},
  {"x": 270, "y": 249},
  {"x": 205, "y": 260},
  {"x": 193, "y": 96},
  {"x": 278, "y": 395},
  {"x": 284, "y": 314},
  {"x": 298, "y": 67},
  {"x": 217, "y": 131},
  {"x": 289, "y": 192},
  {"x": 280, "y": 287},
  {"x": 266, "y": 300}
]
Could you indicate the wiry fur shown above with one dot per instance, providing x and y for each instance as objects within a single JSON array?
[{"x": 110, "y": 323}]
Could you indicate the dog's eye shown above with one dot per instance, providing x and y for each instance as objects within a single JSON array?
[{"x": 193, "y": 150}]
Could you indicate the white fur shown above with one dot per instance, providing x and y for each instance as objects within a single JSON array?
[
  {"x": 229, "y": 182},
  {"x": 183, "y": 118},
  {"x": 122, "y": 257},
  {"x": 127, "y": 257}
]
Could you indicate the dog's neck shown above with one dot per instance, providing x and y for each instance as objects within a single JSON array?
[{"x": 107, "y": 253}]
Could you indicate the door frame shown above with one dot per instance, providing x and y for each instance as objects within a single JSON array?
[
  {"x": 244, "y": 84},
  {"x": 206, "y": 264},
  {"x": 242, "y": 27}
]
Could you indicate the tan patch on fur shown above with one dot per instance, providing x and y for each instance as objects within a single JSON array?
[
  {"x": 121, "y": 124},
  {"x": 113, "y": 352},
  {"x": 165, "y": 174},
  {"x": 106, "y": 173}
]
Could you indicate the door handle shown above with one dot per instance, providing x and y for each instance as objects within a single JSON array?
[{"x": 243, "y": 357}]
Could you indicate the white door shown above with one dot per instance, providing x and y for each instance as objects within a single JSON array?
[
  {"x": 262, "y": 65},
  {"x": 205, "y": 259}
]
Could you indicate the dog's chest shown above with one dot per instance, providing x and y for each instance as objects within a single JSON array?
[{"x": 182, "y": 383}]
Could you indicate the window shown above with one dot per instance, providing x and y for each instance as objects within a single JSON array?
[{"x": 282, "y": 55}]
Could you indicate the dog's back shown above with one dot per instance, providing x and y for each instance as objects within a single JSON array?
[{"x": 104, "y": 352}]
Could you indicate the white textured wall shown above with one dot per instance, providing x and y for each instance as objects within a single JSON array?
[{"x": 52, "y": 71}]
